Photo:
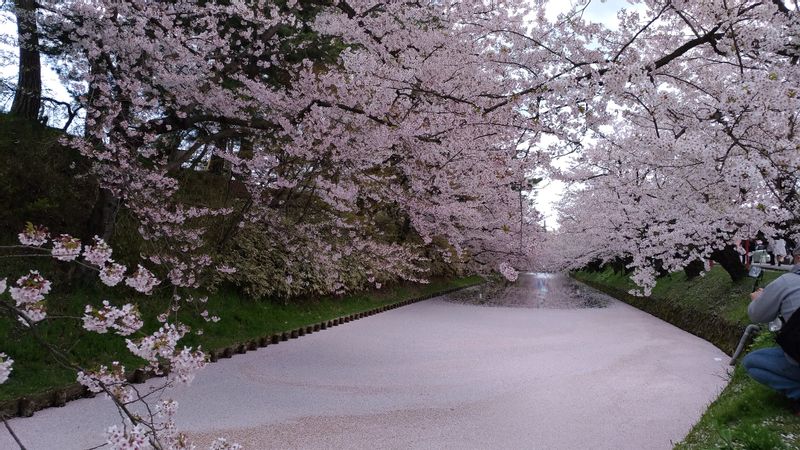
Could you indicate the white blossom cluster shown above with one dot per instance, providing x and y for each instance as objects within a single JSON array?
[
  {"x": 185, "y": 364},
  {"x": 112, "y": 273},
  {"x": 34, "y": 236},
  {"x": 160, "y": 344},
  {"x": 111, "y": 380},
  {"x": 5, "y": 367},
  {"x": 209, "y": 318},
  {"x": 66, "y": 248},
  {"x": 127, "y": 438},
  {"x": 508, "y": 272},
  {"x": 98, "y": 253},
  {"x": 125, "y": 320},
  {"x": 142, "y": 280},
  {"x": 29, "y": 295}
]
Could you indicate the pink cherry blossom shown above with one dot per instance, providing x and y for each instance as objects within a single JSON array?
[
  {"x": 30, "y": 288},
  {"x": 184, "y": 365},
  {"x": 98, "y": 253},
  {"x": 112, "y": 273},
  {"x": 208, "y": 318},
  {"x": 125, "y": 320},
  {"x": 108, "y": 379},
  {"x": 417, "y": 146},
  {"x": 142, "y": 280},
  {"x": 29, "y": 296},
  {"x": 127, "y": 438},
  {"x": 32, "y": 235},
  {"x": 159, "y": 345},
  {"x": 66, "y": 248},
  {"x": 508, "y": 272}
]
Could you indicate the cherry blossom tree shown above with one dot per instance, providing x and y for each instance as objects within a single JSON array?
[
  {"x": 691, "y": 110},
  {"x": 317, "y": 119},
  {"x": 411, "y": 112},
  {"x": 427, "y": 128},
  {"x": 143, "y": 426}
]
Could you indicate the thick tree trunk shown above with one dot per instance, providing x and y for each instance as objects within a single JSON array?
[
  {"x": 104, "y": 215},
  {"x": 103, "y": 218},
  {"x": 729, "y": 259},
  {"x": 216, "y": 164},
  {"x": 694, "y": 269},
  {"x": 246, "y": 149},
  {"x": 28, "y": 96}
]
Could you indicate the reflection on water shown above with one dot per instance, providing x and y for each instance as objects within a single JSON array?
[{"x": 535, "y": 290}]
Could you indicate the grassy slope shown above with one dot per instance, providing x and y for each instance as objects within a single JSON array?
[
  {"x": 713, "y": 293},
  {"x": 39, "y": 181},
  {"x": 242, "y": 320},
  {"x": 746, "y": 415}
]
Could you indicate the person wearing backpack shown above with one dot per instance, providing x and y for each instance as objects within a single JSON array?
[{"x": 777, "y": 367}]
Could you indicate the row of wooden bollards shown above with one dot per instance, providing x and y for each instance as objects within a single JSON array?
[{"x": 27, "y": 405}]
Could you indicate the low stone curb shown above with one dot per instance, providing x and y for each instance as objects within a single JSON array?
[{"x": 27, "y": 405}]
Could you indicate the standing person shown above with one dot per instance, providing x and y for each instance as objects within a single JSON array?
[
  {"x": 771, "y": 252},
  {"x": 779, "y": 248},
  {"x": 740, "y": 249},
  {"x": 771, "y": 366},
  {"x": 757, "y": 247}
]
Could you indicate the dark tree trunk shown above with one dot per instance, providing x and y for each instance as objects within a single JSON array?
[
  {"x": 246, "y": 149},
  {"x": 620, "y": 265},
  {"x": 694, "y": 269},
  {"x": 103, "y": 218},
  {"x": 28, "y": 96},
  {"x": 729, "y": 259},
  {"x": 216, "y": 164},
  {"x": 104, "y": 215}
]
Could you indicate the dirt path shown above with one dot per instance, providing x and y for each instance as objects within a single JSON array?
[{"x": 444, "y": 374}]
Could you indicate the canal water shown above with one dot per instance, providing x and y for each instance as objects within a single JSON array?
[
  {"x": 542, "y": 364},
  {"x": 535, "y": 290}
]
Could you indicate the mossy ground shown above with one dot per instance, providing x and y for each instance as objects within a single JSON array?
[{"x": 746, "y": 415}]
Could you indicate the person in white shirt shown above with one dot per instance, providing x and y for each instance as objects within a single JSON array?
[{"x": 779, "y": 248}]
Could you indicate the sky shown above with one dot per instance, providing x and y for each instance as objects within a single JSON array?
[
  {"x": 604, "y": 12},
  {"x": 546, "y": 196},
  {"x": 8, "y": 33}
]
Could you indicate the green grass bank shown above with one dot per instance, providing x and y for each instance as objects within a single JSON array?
[
  {"x": 242, "y": 320},
  {"x": 746, "y": 415}
]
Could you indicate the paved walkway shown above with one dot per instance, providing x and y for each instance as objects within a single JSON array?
[
  {"x": 441, "y": 374},
  {"x": 783, "y": 267}
]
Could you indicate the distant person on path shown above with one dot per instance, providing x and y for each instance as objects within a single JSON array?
[
  {"x": 771, "y": 253},
  {"x": 741, "y": 251},
  {"x": 771, "y": 366},
  {"x": 779, "y": 248}
]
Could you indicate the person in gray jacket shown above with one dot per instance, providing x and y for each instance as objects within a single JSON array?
[{"x": 771, "y": 366}]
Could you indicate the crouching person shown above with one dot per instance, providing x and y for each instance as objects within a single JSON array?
[{"x": 775, "y": 366}]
